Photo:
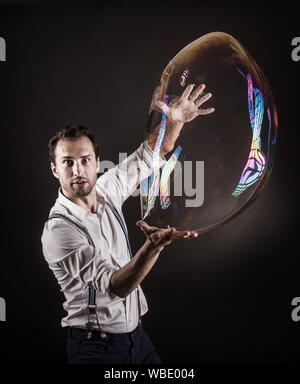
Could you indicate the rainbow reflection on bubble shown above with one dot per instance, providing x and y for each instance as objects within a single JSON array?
[
  {"x": 166, "y": 172},
  {"x": 151, "y": 186},
  {"x": 256, "y": 160},
  {"x": 184, "y": 77}
]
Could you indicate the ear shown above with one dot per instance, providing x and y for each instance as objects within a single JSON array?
[
  {"x": 98, "y": 164},
  {"x": 54, "y": 170}
]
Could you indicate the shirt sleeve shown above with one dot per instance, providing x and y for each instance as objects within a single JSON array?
[
  {"x": 121, "y": 181},
  {"x": 67, "y": 247}
]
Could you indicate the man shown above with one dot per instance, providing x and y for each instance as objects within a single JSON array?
[{"x": 86, "y": 245}]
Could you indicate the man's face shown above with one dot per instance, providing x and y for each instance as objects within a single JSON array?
[{"x": 76, "y": 166}]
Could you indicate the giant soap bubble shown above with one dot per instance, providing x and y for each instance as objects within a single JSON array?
[{"x": 220, "y": 161}]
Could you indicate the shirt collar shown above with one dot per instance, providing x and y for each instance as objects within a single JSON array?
[{"x": 75, "y": 209}]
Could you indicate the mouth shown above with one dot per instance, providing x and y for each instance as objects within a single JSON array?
[{"x": 80, "y": 182}]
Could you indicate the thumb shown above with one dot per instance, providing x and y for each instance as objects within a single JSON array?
[
  {"x": 143, "y": 225},
  {"x": 147, "y": 229}
]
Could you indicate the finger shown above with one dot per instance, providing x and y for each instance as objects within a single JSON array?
[
  {"x": 145, "y": 227},
  {"x": 167, "y": 235},
  {"x": 186, "y": 93},
  {"x": 203, "y": 99},
  {"x": 197, "y": 92},
  {"x": 169, "y": 232},
  {"x": 205, "y": 111},
  {"x": 187, "y": 234},
  {"x": 179, "y": 234},
  {"x": 193, "y": 235}
]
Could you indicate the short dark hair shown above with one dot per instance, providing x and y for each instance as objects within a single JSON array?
[{"x": 71, "y": 132}]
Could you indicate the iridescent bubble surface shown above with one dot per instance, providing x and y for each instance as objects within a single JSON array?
[{"x": 221, "y": 161}]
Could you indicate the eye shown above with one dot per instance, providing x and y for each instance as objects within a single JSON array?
[
  {"x": 85, "y": 160},
  {"x": 69, "y": 163}
]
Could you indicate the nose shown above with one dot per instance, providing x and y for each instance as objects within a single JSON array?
[{"x": 78, "y": 168}]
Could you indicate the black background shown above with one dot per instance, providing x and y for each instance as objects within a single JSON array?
[{"x": 225, "y": 297}]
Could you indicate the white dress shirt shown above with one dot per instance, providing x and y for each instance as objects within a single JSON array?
[{"x": 78, "y": 266}]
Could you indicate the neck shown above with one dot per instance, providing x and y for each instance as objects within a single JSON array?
[{"x": 88, "y": 202}]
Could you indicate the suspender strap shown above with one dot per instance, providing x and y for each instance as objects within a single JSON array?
[
  {"x": 118, "y": 217},
  {"x": 92, "y": 291},
  {"x": 57, "y": 215},
  {"x": 92, "y": 297}
]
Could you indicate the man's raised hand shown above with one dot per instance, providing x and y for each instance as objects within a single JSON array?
[{"x": 186, "y": 107}]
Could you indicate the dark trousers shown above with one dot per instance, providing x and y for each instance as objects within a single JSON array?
[{"x": 110, "y": 348}]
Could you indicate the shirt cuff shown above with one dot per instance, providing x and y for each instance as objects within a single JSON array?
[
  {"x": 102, "y": 281},
  {"x": 109, "y": 292},
  {"x": 148, "y": 156}
]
